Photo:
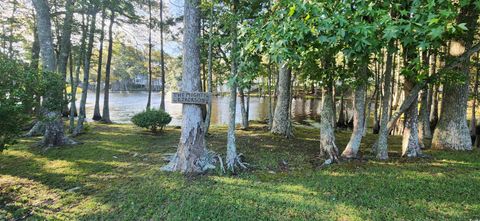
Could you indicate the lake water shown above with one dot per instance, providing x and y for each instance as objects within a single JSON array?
[{"x": 123, "y": 105}]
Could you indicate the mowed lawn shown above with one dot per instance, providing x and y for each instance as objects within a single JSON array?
[{"x": 115, "y": 175}]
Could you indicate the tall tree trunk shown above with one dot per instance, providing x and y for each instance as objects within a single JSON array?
[
  {"x": 106, "y": 92},
  {"x": 86, "y": 75},
  {"x": 73, "y": 106},
  {"x": 432, "y": 70},
  {"x": 410, "y": 143},
  {"x": 149, "y": 101},
  {"x": 328, "y": 148},
  {"x": 65, "y": 46},
  {"x": 377, "y": 98},
  {"x": 435, "y": 103},
  {"x": 192, "y": 153},
  {"x": 381, "y": 148},
  {"x": 162, "y": 61},
  {"x": 353, "y": 145},
  {"x": 411, "y": 146},
  {"x": 210, "y": 66},
  {"x": 281, "y": 119},
  {"x": 248, "y": 102},
  {"x": 232, "y": 109},
  {"x": 96, "y": 113},
  {"x": 342, "y": 122},
  {"x": 270, "y": 105},
  {"x": 473, "y": 119},
  {"x": 424, "y": 118},
  {"x": 35, "y": 48},
  {"x": 233, "y": 158},
  {"x": 452, "y": 130},
  {"x": 12, "y": 24},
  {"x": 73, "y": 89},
  {"x": 243, "y": 109},
  {"x": 54, "y": 132}
]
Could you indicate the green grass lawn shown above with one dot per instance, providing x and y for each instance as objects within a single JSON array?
[{"x": 115, "y": 175}]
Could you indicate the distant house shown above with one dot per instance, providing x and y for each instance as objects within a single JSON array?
[{"x": 141, "y": 81}]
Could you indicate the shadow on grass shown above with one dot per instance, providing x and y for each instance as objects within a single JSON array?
[{"x": 117, "y": 169}]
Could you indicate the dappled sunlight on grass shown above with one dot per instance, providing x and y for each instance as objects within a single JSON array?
[{"x": 115, "y": 175}]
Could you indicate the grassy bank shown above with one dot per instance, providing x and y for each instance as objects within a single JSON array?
[{"x": 115, "y": 175}]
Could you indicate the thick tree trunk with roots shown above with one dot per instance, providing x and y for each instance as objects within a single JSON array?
[
  {"x": 452, "y": 131},
  {"x": 410, "y": 142},
  {"x": 54, "y": 131},
  {"x": 328, "y": 148},
  {"x": 192, "y": 155},
  {"x": 281, "y": 119},
  {"x": 381, "y": 148},
  {"x": 86, "y": 74},
  {"x": 353, "y": 145},
  {"x": 96, "y": 113},
  {"x": 233, "y": 159},
  {"x": 231, "y": 140}
]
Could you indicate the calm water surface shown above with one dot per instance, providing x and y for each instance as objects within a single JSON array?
[{"x": 123, "y": 105}]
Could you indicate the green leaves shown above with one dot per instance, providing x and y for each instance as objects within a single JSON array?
[
  {"x": 436, "y": 33},
  {"x": 292, "y": 11}
]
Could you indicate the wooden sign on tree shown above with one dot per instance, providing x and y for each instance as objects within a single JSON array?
[{"x": 191, "y": 97}]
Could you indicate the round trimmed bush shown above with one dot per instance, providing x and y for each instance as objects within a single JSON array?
[{"x": 153, "y": 120}]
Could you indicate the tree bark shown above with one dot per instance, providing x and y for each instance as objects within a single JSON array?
[
  {"x": 341, "y": 123},
  {"x": 281, "y": 119},
  {"x": 73, "y": 106},
  {"x": 233, "y": 159},
  {"x": 162, "y": 61},
  {"x": 328, "y": 148},
  {"x": 35, "y": 48},
  {"x": 54, "y": 132},
  {"x": 11, "y": 37},
  {"x": 96, "y": 113},
  {"x": 473, "y": 119},
  {"x": 270, "y": 105},
  {"x": 65, "y": 46},
  {"x": 210, "y": 66},
  {"x": 432, "y": 70},
  {"x": 452, "y": 130},
  {"x": 65, "y": 43},
  {"x": 381, "y": 148},
  {"x": 424, "y": 118},
  {"x": 106, "y": 92},
  {"x": 353, "y": 145},
  {"x": 149, "y": 100},
  {"x": 86, "y": 75},
  {"x": 377, "y": 98},
  {"x": 410, "y": 143},
  {"x": 192, "y": 154},
  {"x": 243, "y": 109},
  {"x": 434, "y": 112}
]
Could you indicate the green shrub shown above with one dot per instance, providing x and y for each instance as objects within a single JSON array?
[
  {"x": 19, "y": 87},
  {"x": 153, "y": 120}
]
